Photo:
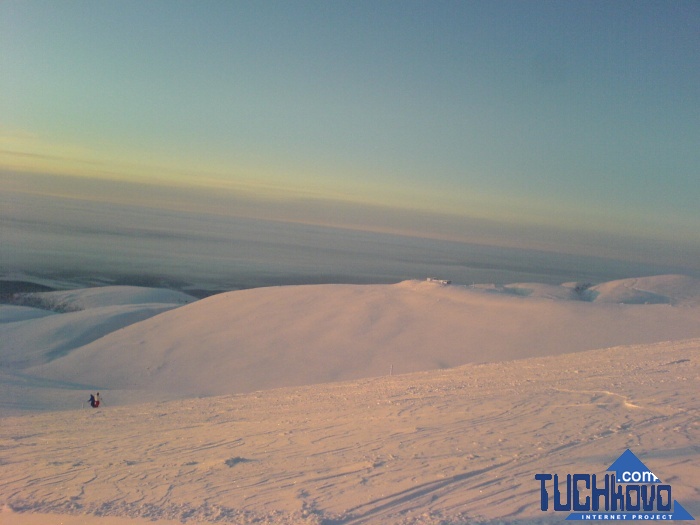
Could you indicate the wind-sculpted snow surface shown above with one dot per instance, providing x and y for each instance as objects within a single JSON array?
[{"x": 443, "y": 447}]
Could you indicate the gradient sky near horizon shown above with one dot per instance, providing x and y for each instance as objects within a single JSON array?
[{"x": 558, "y": 123}]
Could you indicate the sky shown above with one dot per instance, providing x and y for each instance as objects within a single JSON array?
[{"x": 564, "y": 126}]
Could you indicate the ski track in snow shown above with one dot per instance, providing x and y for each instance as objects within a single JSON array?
[{"x": 442, "y": 447}]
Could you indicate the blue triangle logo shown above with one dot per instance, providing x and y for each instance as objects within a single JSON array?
[
  {"x": 679, "y": 513},
  {"x": 629, "y": 469}
]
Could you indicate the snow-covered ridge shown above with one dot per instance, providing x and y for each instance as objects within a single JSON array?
[
  {"x": 676, "y": 290},
  {"x": 59, "y": 322},
  {"x": 86, "y": 298},
  {"x": 274, "y": 337}
]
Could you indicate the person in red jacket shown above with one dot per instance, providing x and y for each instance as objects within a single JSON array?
[{"x": 95, "y": 400}]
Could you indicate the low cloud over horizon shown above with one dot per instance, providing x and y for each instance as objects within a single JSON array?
[{"x": 220, "y": 240}]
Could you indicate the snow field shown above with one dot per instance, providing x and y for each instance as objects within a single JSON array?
[
  {"x": 450, "y": 446},
  {"x": 306, "y": 426}
]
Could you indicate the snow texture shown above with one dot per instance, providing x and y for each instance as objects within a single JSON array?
[{"x": 304, "y": 424}]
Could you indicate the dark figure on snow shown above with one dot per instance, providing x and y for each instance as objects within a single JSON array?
[{"x": 95, "y": 400}]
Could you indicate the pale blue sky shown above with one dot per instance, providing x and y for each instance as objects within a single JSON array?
[{"x": 564, "y": 121}]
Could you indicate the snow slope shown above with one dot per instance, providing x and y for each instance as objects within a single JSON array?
[
  {"x": 10, "y": 313},
  {"x": 442, "y": 447},
  {"x": 294, "y": 335},
  {"x": 30, "y": 342},
  {"x": 29, "y": 338},
  {"x": 86, "y": 298},
  {"x": 678, "y": 290},
  {"x": 314, "y": 430},
  {"x": 33, "y": 335}
]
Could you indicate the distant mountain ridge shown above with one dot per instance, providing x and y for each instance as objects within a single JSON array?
[{"x": 662, "y": 289}]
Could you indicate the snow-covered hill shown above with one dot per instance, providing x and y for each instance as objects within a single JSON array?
[
  {"x": 294, "y": 335},
  {"x": 43, "y": 339},
  {"x": 11, "y": 313},
  {"x": 86, "y": 298},
  {"x": 58, "y": 323},
  {"x": 677, "y": 290}
]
